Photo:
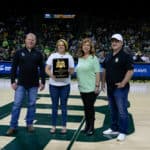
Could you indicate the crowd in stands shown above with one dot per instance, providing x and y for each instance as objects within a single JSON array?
[{"x": 12, "y": 32}]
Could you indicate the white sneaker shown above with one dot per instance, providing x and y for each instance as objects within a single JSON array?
[
  {"x": 121, "y": 137},
  {"x": 110, "y": 131}
]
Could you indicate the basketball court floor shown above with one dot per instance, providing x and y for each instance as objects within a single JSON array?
[{"x": 138, "y": 137}]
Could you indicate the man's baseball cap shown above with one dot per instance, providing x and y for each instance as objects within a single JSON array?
[{"x": 117, "y": 37}]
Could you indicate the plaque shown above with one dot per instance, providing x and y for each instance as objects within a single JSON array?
[{"x": 60, "y": 68}]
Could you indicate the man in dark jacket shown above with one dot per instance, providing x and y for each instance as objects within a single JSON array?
[
  {"x": 28, "y": 69},
  {"x": 118, "y": 70}
]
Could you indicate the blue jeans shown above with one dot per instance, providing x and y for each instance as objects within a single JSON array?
[
  {"x": 62, "y": 93},
  {"x": 20, "y": 94},
  {"x": 118, "y": 100}
]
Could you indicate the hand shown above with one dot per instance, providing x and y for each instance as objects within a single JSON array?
[
  {"x": 70, "y": 70},
  {"x": 97, "y": 90},
  {"x": 14, "y": 86},
  {"x": 52, "y": 76},
  {"x": 120, "y": 85},
  {"x": 103, "y": 87},
  {"x": 41, "y": 87}
]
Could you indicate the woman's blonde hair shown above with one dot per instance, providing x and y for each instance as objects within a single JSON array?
[
  {"x": 80, "y": 52},
  {"x": 65, "y": 44}
]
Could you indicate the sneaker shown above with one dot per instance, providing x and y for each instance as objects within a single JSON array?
[
  {"x": 53, "y": 130},
  {"x": 121, "y": 137},
  {"x": 63, "y": 130},
  {"x": 11, "y": 131},
  {"x": 30, "y": 128},
  {"x": 110, "y": 131}
]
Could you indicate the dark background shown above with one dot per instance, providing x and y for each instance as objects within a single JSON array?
[{"x": 101, "y": 8}]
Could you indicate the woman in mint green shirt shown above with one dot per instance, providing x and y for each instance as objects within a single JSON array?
[{"x": 88, "y": 76}]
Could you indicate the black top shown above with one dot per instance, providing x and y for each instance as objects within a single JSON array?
[
  {"x": 116, "y": 67},
  {"x": 28, "y": 67}
]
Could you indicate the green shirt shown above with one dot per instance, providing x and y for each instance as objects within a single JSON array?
[{"x": 86, "y": 73}]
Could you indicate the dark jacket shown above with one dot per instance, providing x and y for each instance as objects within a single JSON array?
[{"x": 28, "y": 67}]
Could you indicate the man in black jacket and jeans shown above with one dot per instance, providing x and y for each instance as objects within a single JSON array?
[{"x": 27, "y": 68}]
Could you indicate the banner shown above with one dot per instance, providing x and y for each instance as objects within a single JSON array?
[
  {"x": 5, "y": 67},
  {"x": 141, "y": 70}
]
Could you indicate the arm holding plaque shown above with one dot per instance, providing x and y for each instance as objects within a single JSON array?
[
  {"x": 71, "y": 66},
  {"x": 71, "y": 71},
  {"x": 48, "y": 71}
]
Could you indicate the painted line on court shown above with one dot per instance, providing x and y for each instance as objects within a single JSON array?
[
  {"x": 76, "y": 134},
  {"x": 4, "y": 115}
]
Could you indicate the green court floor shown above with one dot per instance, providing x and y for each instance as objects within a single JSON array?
[{"x": 42, "y": 139}]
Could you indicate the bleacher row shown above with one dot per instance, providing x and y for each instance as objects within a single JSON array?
[{"x": 13, "y": 29}]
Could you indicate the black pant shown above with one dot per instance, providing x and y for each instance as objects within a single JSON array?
[{"x": 89, "y": 111}]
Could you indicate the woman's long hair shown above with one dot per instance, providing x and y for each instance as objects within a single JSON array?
[{"x": 80, "y": 52}]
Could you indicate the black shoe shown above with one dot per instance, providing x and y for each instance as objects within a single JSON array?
[
  {"x": 85, "y": 129},
  {"x": 90, "y": 132},
  {"x": 30, "y": 128},
  {"x": 11, "y": 131}
]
